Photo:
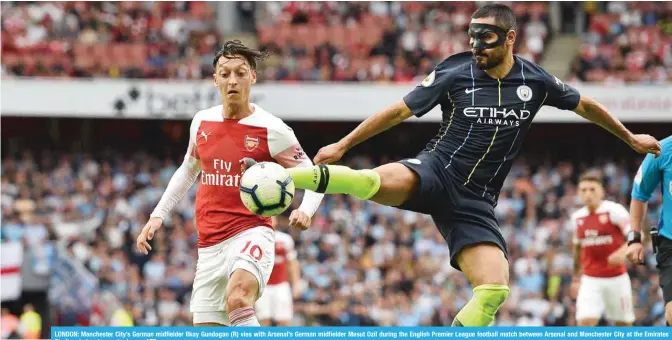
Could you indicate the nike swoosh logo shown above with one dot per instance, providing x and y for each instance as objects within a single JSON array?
[{"x": 468, "y": 91}]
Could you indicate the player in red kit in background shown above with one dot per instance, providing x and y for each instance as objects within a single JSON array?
[
  {"x": 236, "y": 248},
  {"x": 277, "y": 303},
  {"x": 599, "y": 234}
]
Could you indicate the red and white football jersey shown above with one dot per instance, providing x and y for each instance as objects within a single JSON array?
[
  {"x": 220, "y": 144},
  {"x": 600, "y": 233},
  {"x": 284, "y": 252}
]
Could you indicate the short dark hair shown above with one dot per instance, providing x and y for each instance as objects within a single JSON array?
[
  {"x": 592, "y": 175},
  {"x": 235, "y": 47},
  {"x": 503, "y": 15}
]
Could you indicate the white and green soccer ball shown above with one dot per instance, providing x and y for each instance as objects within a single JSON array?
[{"x": 266, "y": 189}]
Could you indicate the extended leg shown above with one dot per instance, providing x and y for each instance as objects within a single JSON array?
[
  {"x": 486, "y": 267},
  {"x": 390, "y": 184},
  {"x": 241, "y": 294},
  {"x": 337, "y": 179}
]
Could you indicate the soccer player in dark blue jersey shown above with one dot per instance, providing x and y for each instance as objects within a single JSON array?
[{"x": 489, "y": 97}]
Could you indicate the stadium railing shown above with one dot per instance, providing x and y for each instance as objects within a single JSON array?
[{"x": 73, "y": 285}]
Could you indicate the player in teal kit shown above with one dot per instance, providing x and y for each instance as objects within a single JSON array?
[{"x": 654, "y": 174}]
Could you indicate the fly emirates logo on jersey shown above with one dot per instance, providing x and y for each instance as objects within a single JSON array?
[
  {"x": 221, "y": 175},
  {"x": 592, "y": 238},
  {"x": 497, "y": 115}
]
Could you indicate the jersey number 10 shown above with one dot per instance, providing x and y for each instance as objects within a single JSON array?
[{"x": 255, "y": 250}]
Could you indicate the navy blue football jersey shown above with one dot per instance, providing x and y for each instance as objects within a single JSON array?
[{"x": 485, "y": 119}]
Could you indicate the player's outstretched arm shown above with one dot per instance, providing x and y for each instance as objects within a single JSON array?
[
  {"x": 183, "y": 178},
  {"x": 377, "y": 123},
  {"x": 598, "y": 114}
]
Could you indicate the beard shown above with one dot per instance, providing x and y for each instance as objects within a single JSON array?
[{"x": 492, "y": 58}]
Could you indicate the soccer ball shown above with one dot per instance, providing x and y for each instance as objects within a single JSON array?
[{"x": 266, "y": 189}]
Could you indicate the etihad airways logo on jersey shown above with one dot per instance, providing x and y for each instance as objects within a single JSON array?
[
  {"x": 497, "y": 116},
  {"x": 220, "y": 175}
]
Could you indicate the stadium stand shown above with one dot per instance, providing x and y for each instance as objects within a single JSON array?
[
  {"x": 108, "y": 39},
  {"x": 630, "y": 42},
  {"x": 377, "y": 41},
  {"x": 366, "y": 41}
]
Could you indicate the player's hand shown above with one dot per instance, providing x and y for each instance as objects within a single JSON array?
[
  {"x": 299, "y": 219},
  {"x": 645, "y": 144},
  {"x": 147, "y": 233},
  {"x": 574, "y": 288},
  {"x": 635, "y": 253},
  {"x": 330, "y": 154}
]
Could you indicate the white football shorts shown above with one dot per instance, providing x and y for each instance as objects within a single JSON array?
[
  {"x": 276, "y": 303},
  {"x": 252, "y": 250},
  {"x": 608, "y": 296}
]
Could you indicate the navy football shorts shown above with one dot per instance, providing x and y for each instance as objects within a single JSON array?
[
  {"x": 463, "y": 217},
  {"x": 664, "y": 265}
]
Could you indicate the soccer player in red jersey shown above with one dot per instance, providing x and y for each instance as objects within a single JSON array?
[
  {"x": 236, "y": 248},
  {"x": 599, "y": 234},
  {"x": 277, "y": 303}
]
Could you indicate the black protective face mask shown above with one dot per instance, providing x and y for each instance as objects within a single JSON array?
[{"x": 480, "y": 33}]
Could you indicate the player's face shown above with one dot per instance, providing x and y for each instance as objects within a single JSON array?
[
  {"x": 234, "y": 77},
  {"x": 487, "y": 58},
  {"x": 591, "y": 192}
]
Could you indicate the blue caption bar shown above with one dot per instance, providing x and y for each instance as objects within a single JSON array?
[{"x": 315, "y": 333}]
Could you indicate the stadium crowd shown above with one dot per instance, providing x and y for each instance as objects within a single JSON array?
[
  {"x": 178, "y": 40},
  {"x": 362, "y": 263},
  {"x": 125, "y": 39},
  {"x": 315, "y": 41},
  {"x": 630, "y": 42},
  {"x": 376, "y": 41}
]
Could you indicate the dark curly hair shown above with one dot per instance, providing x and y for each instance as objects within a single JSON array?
[{"x": 232, "y": 48}]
